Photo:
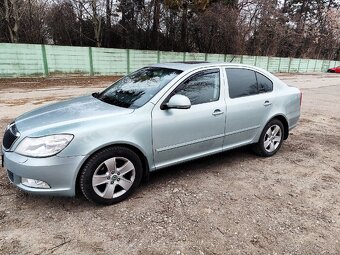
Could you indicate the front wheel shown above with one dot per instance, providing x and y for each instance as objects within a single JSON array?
[
  {"x": 271, "y": 139},
  {"x": 111, "y": 175}
]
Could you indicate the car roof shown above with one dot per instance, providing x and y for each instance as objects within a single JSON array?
[{"x": 190, "y": 65}]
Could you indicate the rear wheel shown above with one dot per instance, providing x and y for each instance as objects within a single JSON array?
[
  {"x": 111, "y": 175},
  {"x": 271, "y": 139}
]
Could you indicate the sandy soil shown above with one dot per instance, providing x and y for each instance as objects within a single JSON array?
[{"x": 231, "y": 203}]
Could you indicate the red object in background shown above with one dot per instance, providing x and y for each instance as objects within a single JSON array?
[{"x": 334, "y": 70}]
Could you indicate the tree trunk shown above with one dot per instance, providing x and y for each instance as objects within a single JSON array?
[
  {"x": 11, "y": 7},
  {"x": 155, "y": 25},
  {"x": 184, "y": 27},
  {"x": 96, "y": 20}
]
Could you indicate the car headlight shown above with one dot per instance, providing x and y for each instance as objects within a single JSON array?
[{"x": 44, "y": 146}]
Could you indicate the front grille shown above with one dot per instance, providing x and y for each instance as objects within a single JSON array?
[{"x": 11, "y": 134}]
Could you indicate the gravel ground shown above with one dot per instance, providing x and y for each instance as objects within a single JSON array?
[{"x": 231, "y": 203}]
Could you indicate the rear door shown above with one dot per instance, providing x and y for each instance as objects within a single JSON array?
[{"x": 248, "y": 103}]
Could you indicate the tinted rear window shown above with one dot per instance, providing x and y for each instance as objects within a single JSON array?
[
  {"x": 241, "y": 82},
  {"x": 265, "y": 85}
]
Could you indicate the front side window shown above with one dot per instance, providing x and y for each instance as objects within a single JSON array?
[
  {"x": 203, "y": 87},
  {"x": 137, "y": 88},
  {"x": 242, "y": 82}
]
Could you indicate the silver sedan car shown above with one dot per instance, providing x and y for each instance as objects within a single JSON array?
[{"x": 158, "y": 116}]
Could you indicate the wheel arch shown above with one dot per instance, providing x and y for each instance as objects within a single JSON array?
[
  {"x": 140, "y": 154},
  {"x": 284, "y": 122}
]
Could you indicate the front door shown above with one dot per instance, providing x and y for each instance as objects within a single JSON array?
[{"x": 183, "y": 134}]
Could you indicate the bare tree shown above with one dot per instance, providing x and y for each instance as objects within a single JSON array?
[
  {"x": 288, "y": 28},
  {"x": 12, "y": 19}
]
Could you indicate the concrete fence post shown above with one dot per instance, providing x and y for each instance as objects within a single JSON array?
[
  {"x": 307, "y": 65},
  {"x": 268, "y": 64},
  {"x": 316, "y": 61},
  {"x": 279, "y": 68},
  {"x": 91, "y": 61},
  {"x": 158, "y": 56},
  {"x": 128, "y": 61},
  {"x": 44, "y": 58},
  {"x": 290, "y": 62}
]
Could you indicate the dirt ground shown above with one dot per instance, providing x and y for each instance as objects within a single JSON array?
[{"x": 231, "y": 203}]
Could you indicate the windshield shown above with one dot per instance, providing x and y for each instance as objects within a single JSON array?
[{"x": 137, "y": 88}]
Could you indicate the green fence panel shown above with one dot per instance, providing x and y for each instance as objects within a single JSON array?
[
  {"x": 284, "y": 65},
  {"x": 262, "y": 62},
  {"x": 248, "y": 60},
  {"x": 325, "y": 65},
  {"x": 21, "y": 60},
  {"x": 303, "y": 65},
  {"x": 67, "y": 59},
  {"x": 190, "y": 56},
  {"x": 109, "y": 61},
  {"x": 318, "y": 65},
  {"x": 215, "y": 57},
  {"x": 294, "y": 65},
  {"x": 167, "y": 56},
  {"x": 234, "y": 58},
  {"x": 332, "y": 64},
  {"x": 311, "y": 65},
  {"x": 229, "y": 58},
  {"x": 141, "y": 58},
  {"x": 274, "y": 64},
  {"x": 37, "y": 60}
]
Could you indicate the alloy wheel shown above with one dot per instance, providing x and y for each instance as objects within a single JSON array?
[
  {"x": 272, "y": 138},
  {"x": 114, "y": 177}
]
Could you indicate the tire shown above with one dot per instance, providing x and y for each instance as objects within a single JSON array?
[
  {"x": 270, "y": 140},
  {"x": 111, "y": 175}
]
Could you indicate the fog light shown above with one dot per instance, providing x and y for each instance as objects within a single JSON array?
[{"x": 34, "y": 183}]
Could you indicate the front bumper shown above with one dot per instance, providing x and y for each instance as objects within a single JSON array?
[{"x": 59, "y": 173}]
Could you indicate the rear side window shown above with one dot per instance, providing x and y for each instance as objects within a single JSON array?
[
  {"x": 200, "y": 88},
  {"x": 265, "y": 85},
  {"x": 242, "y": 82}
]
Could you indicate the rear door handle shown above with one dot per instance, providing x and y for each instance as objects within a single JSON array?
[
  {"x": 267, "y": 103},
  {"x": 217, "y": 112}
]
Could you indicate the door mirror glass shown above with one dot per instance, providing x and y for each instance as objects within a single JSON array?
[{"x": 178, "y": 102}]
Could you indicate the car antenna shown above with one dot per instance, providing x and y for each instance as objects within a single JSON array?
[{"x": 232, "y": 59}]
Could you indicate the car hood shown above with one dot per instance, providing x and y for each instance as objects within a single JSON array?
[{"x": 67, "y": 113}]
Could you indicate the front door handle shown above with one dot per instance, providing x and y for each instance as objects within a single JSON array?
[
  {"x": 217, "y": 112},
  {"x": 267, "y": 103}
]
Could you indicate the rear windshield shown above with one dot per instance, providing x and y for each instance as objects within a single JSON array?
[{"x": 137, "y": 88}]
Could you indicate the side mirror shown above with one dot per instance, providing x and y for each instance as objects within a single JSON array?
[{"x": 178, "y": 102}]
